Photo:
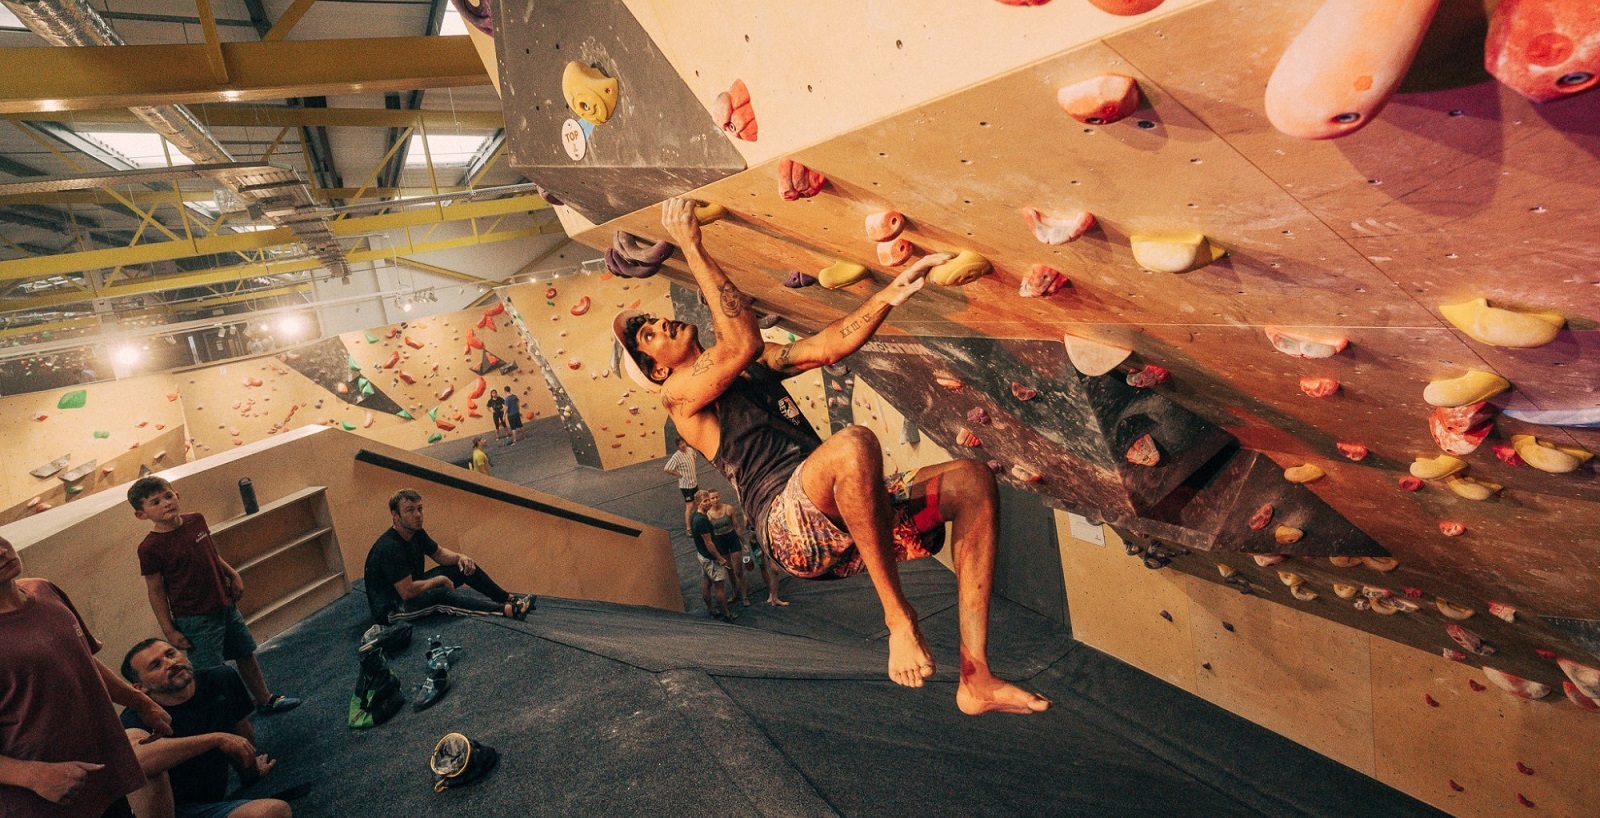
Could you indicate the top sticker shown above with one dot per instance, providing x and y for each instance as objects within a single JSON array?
[{"x": 574, "y": 139}]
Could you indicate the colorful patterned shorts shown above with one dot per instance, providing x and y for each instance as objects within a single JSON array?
[{"x": 807, "y": 544}]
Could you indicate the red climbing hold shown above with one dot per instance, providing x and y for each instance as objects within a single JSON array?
[
  {"x": 445, "y": 425},
  {"x": 1021, "y": 392},
  {"x": 472, "y": 341},
  {"x": 1125, "y": 8},
  {"x": 1042, "y": 281},
  {"x": 1319, "y": 387},
  {"x": 394, "y": 358},
  {"x": 1545, "y": 654},
  {"x": 581, "y": 307},
  {"x": 1260, "y": 519},
  {"x": 1450, "y": 528},
  {"x": 1478, "y": 688},
  {"x": 1507, "y": 454},
  {"x": 733, "y": 113},
  {"x": 1149, "y": 377},
  {"x": 550, "y": 292},
  {"x": 1523, "y": 800},
  {"x": 796, "y": 181},
  {"x": 405, "y": 376},
  {"x": 1410, "y": 483},
  {"x": 1456, "y": 787},
  {"x": 1430, "y": 700},
  {"x": 1354, "y": 451},
  {"x": 497, "y": 309}
]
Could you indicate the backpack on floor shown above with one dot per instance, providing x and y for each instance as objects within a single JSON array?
[{"x": 378, "y": 695}]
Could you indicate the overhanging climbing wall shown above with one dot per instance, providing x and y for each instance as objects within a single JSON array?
[{"x": 656, "y": 142}]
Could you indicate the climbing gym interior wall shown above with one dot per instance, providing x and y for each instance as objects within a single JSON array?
[{"x": 1355, "y": 374}]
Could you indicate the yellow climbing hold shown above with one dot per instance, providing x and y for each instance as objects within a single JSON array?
[
  {"x": 706, "y": 213},
  {"x": 1174, "y": 254},
  {"x": 965, "y": 268},
  {"x": 1546, "y": 456},
  {"x": 589, "y": 93},
  {"x": 1471, "y": 489},
  {"x": 1094, "y": 358},
  {"x": 1473, "y": 387},
  {"x": 1500, "y": 327},
  {"x": 841, "y": 274},
  {"x": 1436, "y": 468},
  {"x": 1305, "y": 473}
]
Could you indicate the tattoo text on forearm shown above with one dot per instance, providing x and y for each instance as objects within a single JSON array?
[{"x": 851, "y": 328}]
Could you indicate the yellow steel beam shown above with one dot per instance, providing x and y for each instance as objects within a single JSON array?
[
  {"x": 248, "y": 295},
  {"x": 64, "y": 79},
  {"x": 99, "y": 197},
  {"x": 53, "y": 326},
  {"x": 349, "y": 193},
  {"x": 286, "y": 23},
  {"x": 44, "y": 266},
  {"x": 440, "y": 271},
  {"x": 208, "y": 25},
  {"x": 269, "y": 116},
  {"x": 221, "y": 275}
]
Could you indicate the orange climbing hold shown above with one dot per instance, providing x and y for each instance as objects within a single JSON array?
[
  {"x": 796, "y": 181},
  {"x": 1319, "y": 387},
  {"x": 445, "y": 425},
  {"x": 394, "y": 358},
  {"x": 1260, "y": 519},
  {"x": 1460, "y": 430},
  {"x": 1125, "y": 8},
  {"x": 895, "y": 253},
  {"x": 1354, "y": 451},
  {"x": 733, "y": 113},
  {"x": 414, "y": 344},
  {"x": 1100, "y": 100},
  {"x": 406, "y": 376},
  {"x": 1149, "y": 377},
  {"x": 885, "y": 225},
  {"x": 472, "y": 341},
  {"x": 1544, "y": 49},
  {"x": 1451, "y": 529},
  {"x": 965, "y": 437},
  {"x": 1042, "y": 281},
  {"x": 477, "y": 389},
  {"x": 581, "y": 307}
]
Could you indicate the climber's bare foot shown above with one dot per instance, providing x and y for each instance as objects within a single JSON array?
[
  {"x": 983, "y": 693},
  {"x": 909, "y": 659},
  {"x": 777, "y": 601}
]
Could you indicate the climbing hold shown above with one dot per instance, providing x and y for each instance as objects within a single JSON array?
[
  {"x": 1429, "y": 700},
  {"x": 1501, "y": 327},
  {"x": 732, "y": 112},
  {"x": 1452, "y": 610},
  {"x": 895, "y": 253},
  {"x": 1260, "y": 519},
  {"x": 581, "y": 307},
  {"x": 1516, "y": 685},
  {"x": 394, "y": 358},
  {"x": 1354, "y": 451},
  {"x": 393, "y": 331},
  {"x": 1125, "y": 8},
  {"x": 1268, "y": 560},
  {"x": 1545, "y": 654},
  {"x": 769, "y": 321},
  {"x": 405, "y": 415},
  {"x": 589, "y": 93},
  {"x": 797, "y": 279},
  {"x": 1544, "y": 49},
  {"x": 1374, "y": 592},
  {"x": 1470, "y": 489},
  {"x": 1345, "y": 590},
  {"x": 1094, "y": 358},
  {"x": 1472, "y": 642},
  {"x": 1301, "y": 344},
  {"x": 447, "y": 391},
  {"x": 1302, "y": 593},
  {"x": 1338, "y": 72},
  {"x": 796, "y": 181},
  {"x": 1228, "y": 626},
  {"x": 1450, "y": 528},
  {"x": 472, "y": 341},
  {"x": 1144, "y": 452},
  {"x": 1174, "y": 254},
  {"x": 1507, "y": 454},
  {"x": 405, "y": 376},
  {"x": 1548, "y": 457},
  {"x": 707, "y": 213},
  {"x": 1460, "y": 430},
  {"x": 978, "y": 416},
  {"x": 1226, "y": 570},
  {"x": 1382, "y": 565},
  {"x": 550, "y": 292},
  {"x": 477, "y": 390},
  {"x": 884, "y": 225},
  {"x": 965, "y": 437},
  {"x": 1100, "y": 100},
  {"x": 1287, "y": 535},
  {"x": 1319, "y": 387},
  {"x": 1165, "y": 615},
  {"x": 641, "y": 251},
  {"x": 965, "y": 268},
  {"x": 1475, "y": 386},
  {"x": 1436, "y": 468},
  {"x": 1410, "y": 482},
  {"x": 1503, "y": 611},
  {"x": 621, "y": 265},
  {"x": 1042, "y": 280},
  {"x": 1021, "y": 392},
  {"x": 948, "y": 382},
  {"x": 445, "y": 425},
  {"x": 1455, "y": 656},
  {"x": 1577, "y": 697},
  {"x": 371, "y": 339},
  {"x": 1585, "y": 678},
  {"x": 841, "y": 274},
  {"x": 1304, "y": 473},
  {"x": 435, "y": 437},
  {"x": 1058, "y": 230},
  {"x": 1025, "y": 474},
  {"x": 73, "y": 400},
  {"x": 347, "y": 426},
  {"x": 1523, "y": 800},
  {"x": 366, "y": 420},
  {"x": 172, "y": 396},
  {"x": 1149, "y": 377}
]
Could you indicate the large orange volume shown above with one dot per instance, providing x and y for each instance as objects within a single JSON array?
[
  {"x": 1544, "y": 49},
  {"x": 1341, "y": 69}
]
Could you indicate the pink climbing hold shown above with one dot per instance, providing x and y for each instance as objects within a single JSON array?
[
  {"x": 1450, "y": 528},
  {"x": 1149, "y": 377},
  {"x": 733, "y": 113},
  {"x": 885, "y": 225},
  {"x": 1319, "y": 387},
  {"x": 895, "y": 253},
  {"x": 1100, "y": 100},
  {"x": 1021, "y": 392},
  {"x": 978, "y": 416},
  {"x": 1354, "y": 451},
  {"x": 1544, "y": 49},
  {"x": 1057, "y": 230},
  {"x": 796, "y": 181},
  {"x": 1473, "y": 683},
  {"x": 1410, "y": 483},
  {"x": 1461, "y": 430},
  {"x": 1042, "y": 281}
]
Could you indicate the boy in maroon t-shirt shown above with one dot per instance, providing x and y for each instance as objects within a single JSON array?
[{"x": 193, "y": 591}]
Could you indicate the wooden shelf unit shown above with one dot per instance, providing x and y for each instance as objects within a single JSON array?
[{"x": 288, "y": 554}]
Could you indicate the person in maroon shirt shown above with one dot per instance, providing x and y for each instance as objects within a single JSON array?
[
  {"x": 63, "y": 754},
  {"x": 193, "y": 591}
]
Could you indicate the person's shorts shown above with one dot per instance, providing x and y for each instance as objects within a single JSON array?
[
  {"x": 499, "y": 420},
  {"x": 219, "y": 809},
  {"x": 688, "y": 493},
  {"x": 514, "y": 419},
  {"x": 804, "y": 542},
  {"x": 216, "y": 637},
  {"x": 712, "y": 569}
]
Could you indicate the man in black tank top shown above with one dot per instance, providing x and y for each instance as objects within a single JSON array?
[{"x": 823, "y": 507}]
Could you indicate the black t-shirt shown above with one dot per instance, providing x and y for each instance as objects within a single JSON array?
[
  {"x": 220, "y": 700},
  {"x": 699, "y": 528},
  {"x": 391, "y": 560},
  {"x": 497, "y": 405},
  {"x": 764, "y": 439}
]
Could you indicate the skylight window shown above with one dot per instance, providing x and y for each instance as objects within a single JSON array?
[
  {"x": 9, "y": 20},
  {"x": 452, "y": 22},
  {"x": 447, "y": 151},
  {"x": 142, "y": 149}
]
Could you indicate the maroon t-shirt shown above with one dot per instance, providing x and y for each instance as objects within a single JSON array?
[
  {"x": 54, "y": 706},
  {"x": 188, "y": 562}
]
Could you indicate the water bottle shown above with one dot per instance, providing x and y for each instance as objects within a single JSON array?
[{"x": 247, "y": 493}]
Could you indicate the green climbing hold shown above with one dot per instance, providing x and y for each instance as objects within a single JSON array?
[
  {"x": 101, "y": 435},
  {"x": 433, "y": 414},
  {"x": 73, "y": 400},
  {"x": 407, "y": 415},
  {"x": 364, "y": 386},
  {"x": 74, "y": 489},
  {"x": 550, "y": 303},
  {"x": 347, "y": 426},
  {"x": 372, "y": 339},
  {"x": 353, "y": 365},
  {"x": 435, "y": 437}
]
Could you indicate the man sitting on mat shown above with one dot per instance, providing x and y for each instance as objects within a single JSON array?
[{"x": 398, "y": 589}]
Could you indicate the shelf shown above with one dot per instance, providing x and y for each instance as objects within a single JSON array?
[
  {"x": 286, "y": 547},
  {"x": 283, "y": 502},
  {"x": 299, "y": 604}
]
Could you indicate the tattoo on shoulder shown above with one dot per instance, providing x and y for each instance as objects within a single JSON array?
[
  {"x": 702, "y": 365},
  {"x": 733, "y": 301}
]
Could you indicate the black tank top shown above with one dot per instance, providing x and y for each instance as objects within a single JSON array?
[{"x": 764, "y": 439}]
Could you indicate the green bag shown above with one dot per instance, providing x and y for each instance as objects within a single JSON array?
[{"x": 378, "y": 695}]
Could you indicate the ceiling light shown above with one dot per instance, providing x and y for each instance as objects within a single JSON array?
[{"x": 126, "y": 355}]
